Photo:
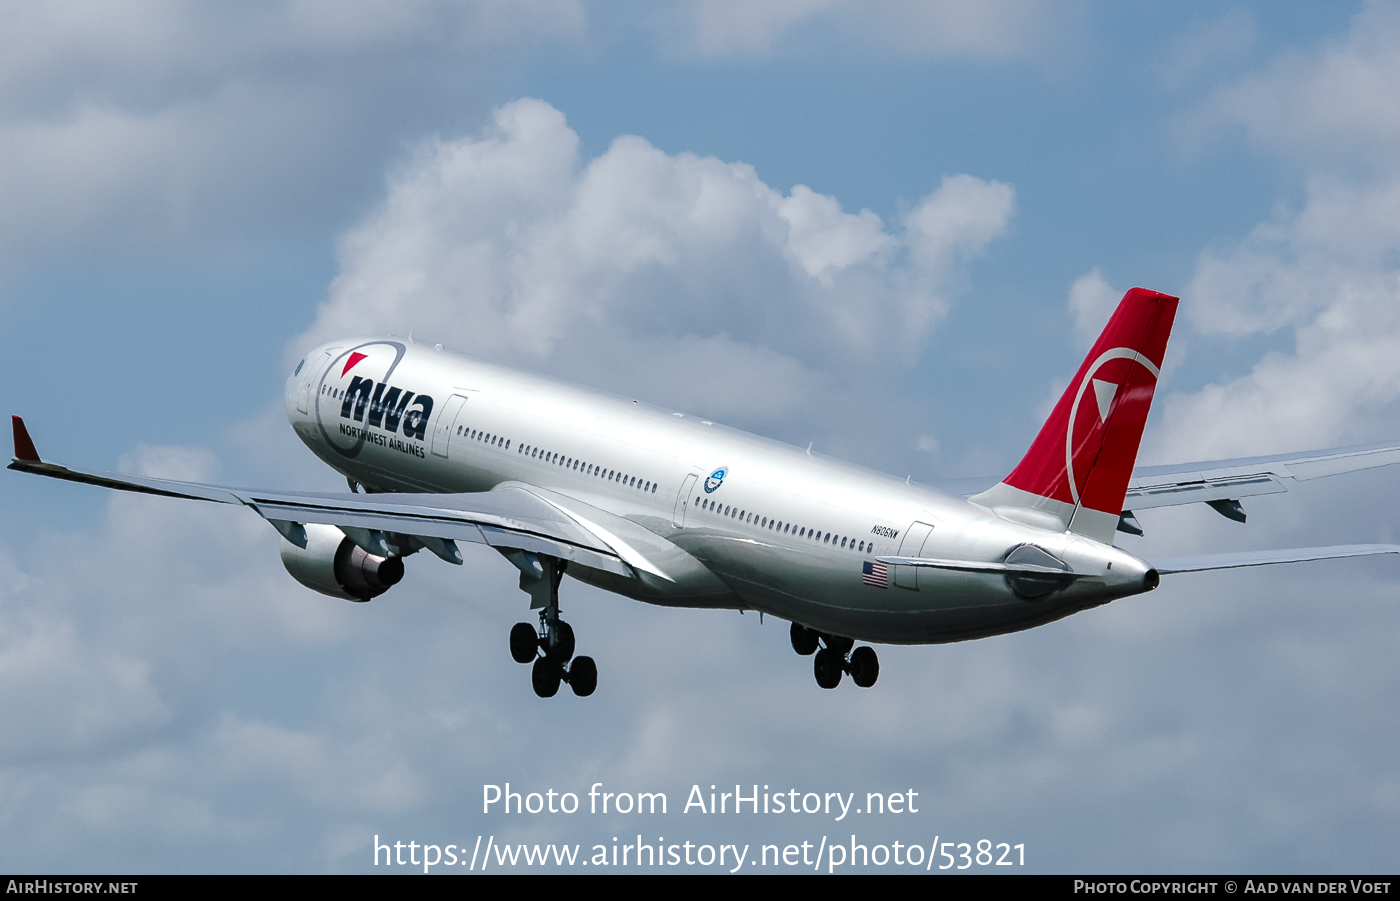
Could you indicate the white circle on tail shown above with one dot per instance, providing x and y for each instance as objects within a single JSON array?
[{"x": 1117, "y": 353}]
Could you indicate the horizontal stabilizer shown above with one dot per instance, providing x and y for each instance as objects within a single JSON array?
[
  {"x": 1221, "y": 480},
  {"x": 1225, "y": 480},
  {"x": 1187, "y": 483},
  {"x": 1205, "y": 562}
]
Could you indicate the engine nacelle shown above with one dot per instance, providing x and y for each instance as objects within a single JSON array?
[{"x": 333, "y": 564}]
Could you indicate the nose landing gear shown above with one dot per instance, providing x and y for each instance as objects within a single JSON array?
[{"x": 835, "y": 658}]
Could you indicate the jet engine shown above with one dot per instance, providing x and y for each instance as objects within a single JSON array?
[{"x": 333, "y": 564}]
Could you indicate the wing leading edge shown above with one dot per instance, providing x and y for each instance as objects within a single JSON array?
[{"x": 507, "y": 518}]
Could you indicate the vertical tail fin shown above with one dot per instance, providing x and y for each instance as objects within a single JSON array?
[{"x": 1078, "y": 467}]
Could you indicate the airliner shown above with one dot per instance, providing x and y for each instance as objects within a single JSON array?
[{"x": 667, "y": 508}]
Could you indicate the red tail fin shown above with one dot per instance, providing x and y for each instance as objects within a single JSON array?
[{"x": 1079, "y": 465}]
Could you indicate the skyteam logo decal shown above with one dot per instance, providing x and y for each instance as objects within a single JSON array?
[{"x": 716, "y": 479}]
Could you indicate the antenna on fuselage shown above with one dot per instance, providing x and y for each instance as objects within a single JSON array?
[{"x": 809, "y": 447}]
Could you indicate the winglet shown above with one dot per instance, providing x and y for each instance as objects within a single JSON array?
[{"x": 24, "y": 445}]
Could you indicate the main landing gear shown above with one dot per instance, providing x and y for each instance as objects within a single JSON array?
[
  {"x": 835, "y": 657},
  {"x": 551, "y": 646}
]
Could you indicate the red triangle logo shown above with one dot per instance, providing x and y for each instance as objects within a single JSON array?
[{"x": 350, "y": 363}]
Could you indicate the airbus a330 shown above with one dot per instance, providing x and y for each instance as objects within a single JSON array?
[{"x": 674, "y": 510}]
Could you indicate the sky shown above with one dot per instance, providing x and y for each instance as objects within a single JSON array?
[{"x": 889, "y": 229}]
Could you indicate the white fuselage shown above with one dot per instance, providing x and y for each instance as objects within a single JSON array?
[{"x": 779, "y": 530}]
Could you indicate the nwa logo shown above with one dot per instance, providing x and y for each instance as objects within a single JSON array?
[
  {"x": 716, "y": 479},
  {"x": 387, "y": 407},
  {"x": 378, "y": 405}
]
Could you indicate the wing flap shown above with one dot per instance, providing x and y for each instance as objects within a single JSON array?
[
  {"x": 505, "y": 518},
  {"x": 1202, "y": 490}
]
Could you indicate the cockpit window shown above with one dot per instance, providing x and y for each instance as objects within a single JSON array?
[{"x": 298, "y": 369}]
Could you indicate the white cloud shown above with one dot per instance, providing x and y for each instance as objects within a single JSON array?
[
  {"x": 1333, "y": 106},
  {"x": 150, "y": 51},
  {"x": 123, "y": 123},
  {"x": 46, "y": 667},
  {"x": 732, "y": 26},
  {"x": 1092, "y": 300},
  {"x": 1328, "y": 272},
  {"x": 686, "y": 273},
  {"x": 991, "y": 30},
  {"x": 826, "y": 241}
]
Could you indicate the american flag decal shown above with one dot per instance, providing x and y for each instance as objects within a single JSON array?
[{"x": 873, "y": 572}]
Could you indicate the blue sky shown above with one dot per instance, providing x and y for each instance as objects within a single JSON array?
[{"x": 891, "y": 230}]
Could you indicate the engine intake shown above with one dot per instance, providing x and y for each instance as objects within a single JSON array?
[{"x": 334, "y": 565}]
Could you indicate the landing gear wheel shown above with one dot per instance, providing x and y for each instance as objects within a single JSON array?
[
  {"x": 827, "y": 667},
  {"x": 583, "y": 676},
  {"x": 545, "y": 677},
  {"x": 865, "y": 667},
  {"x": 563, "y": 647},
  {"x": 524, "y": 642},
  {"x": 804, "y": 640}
]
